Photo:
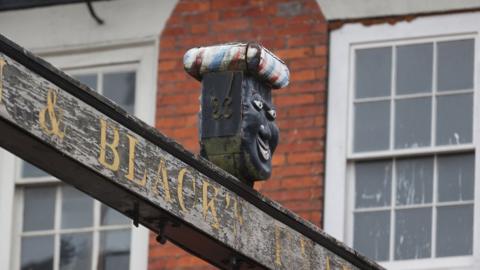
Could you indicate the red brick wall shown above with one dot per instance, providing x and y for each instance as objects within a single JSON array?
[{"x": 294, "y": 30}]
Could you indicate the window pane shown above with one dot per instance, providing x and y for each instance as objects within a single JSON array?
[
  {"x": 373, "y": 184},
  {"x": 88, "y": 79},
  {"x": 413, "y": 233},
  {"x": 110, "y": 216},
  {"x": 120, "y": 87},
  {"x": 414, "y": 68},
  {"x": 455, "y": 65},
  {"x": 39, "y": 208},
  {"x": 414, "y": 181},
  {"x": 37, "y": 253},
  {"x": 76, "y": 251},
  {"x": 372, "y": 234},
  {"x": 413, "y": 122},
  {"x": 454, "y": 119},
  {"x": 456, "y": 177},
  {"x": 77, "y": 209},
  {"x": 114, "y": 250},
  {"x": 373, "y": 72},
  {"x": 454, "y": 230},
  {"x": 29, "y": 170},
  {"x": 372, "y": 121}
]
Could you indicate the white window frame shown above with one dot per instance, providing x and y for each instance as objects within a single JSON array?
[
  {"x": 56, "y": 232},
  {"x": 338, "y": 190},
  {"x": 143, "y": 54}
]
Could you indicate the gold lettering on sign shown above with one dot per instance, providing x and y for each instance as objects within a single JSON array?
[
  {"x": 181, "y": 201},
  {"x": 132, "y": 142},
  {"x": 302, "y": 247},
  {"x": 210, "y": 204},
  {"x": 327, "y": 266},
  {"x": 2, "y": 64},
  {"x": 237, "y": 216},
  {"x": 54, "y": 127},
  {"x": 113, "y": 147},
  {"x": 279, "y": 232},
  {"x": 238, "y": 211},
  {"x": 227, "y": 204},
  {"x": 305, "y": 255},
  {"x": 278, "y": 246},
  {"x": 236, "y": 208},
  {"x": 227, "y": 201},
  {"x": 162, "y": 173}
]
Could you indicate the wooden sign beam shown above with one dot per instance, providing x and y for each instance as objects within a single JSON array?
[{"x": 68, "y": 130}]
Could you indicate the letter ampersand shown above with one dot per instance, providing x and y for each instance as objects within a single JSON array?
[{"x": 52, "y": 115}]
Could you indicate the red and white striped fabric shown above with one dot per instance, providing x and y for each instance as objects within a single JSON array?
[{"x": 250, "y": 57}]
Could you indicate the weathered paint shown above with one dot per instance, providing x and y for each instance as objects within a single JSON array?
[
  {"x": 237, "y": 132},
  {"x": 128, "y": 169}
]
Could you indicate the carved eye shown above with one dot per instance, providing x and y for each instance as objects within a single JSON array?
[
  {"x": 257, "y": 104},
  {"x": 271, "y": 114}
]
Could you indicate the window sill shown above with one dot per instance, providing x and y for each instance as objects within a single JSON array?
[{"x": 411, "y": 152}]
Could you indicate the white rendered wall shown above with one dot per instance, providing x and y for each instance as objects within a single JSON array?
[
  {"x": 70, "y": 26},
  {"x": 354, "y": 9}
]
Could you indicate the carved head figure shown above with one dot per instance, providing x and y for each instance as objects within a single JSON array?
[
  {"x": 260, "y": 134},
  {"x": 237, "y": 119}
]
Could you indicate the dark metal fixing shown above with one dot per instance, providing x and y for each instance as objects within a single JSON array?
[{"x": 93, "y": 14}]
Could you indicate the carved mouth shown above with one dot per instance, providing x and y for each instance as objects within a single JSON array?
[{"x": 263, "y": 148}]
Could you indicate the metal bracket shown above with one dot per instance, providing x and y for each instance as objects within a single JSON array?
[
  {"x": 161, "y": 233},
  {"x": 93, "y": 13},
  {"x": 161, "y": 238},
  {"x": 235, "y": 263},
  {"x": 135, "y": 213}
]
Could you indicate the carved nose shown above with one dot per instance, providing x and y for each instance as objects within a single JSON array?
[{"x": 265, "y": 133}]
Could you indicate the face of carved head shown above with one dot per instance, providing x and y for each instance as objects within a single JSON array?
[{"x": 260, "y": 134}]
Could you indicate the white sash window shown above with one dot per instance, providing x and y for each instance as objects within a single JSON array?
[{"x": 401, "y": 143}]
